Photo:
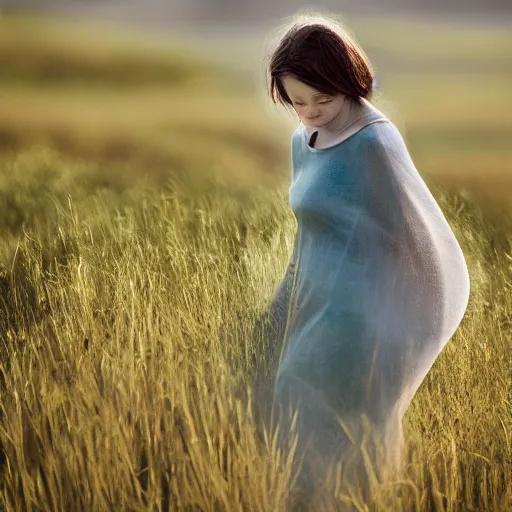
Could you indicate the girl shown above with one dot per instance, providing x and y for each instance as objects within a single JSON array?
[{"x": 377, "y": 283}]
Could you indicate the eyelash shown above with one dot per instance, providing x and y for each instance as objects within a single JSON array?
[{"x": 323, "y": 102}]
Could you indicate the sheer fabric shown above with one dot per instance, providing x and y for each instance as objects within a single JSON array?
[{"x": 375, "y": 287}]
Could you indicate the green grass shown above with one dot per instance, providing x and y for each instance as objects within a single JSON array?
[{"x": 144, "y": 228}]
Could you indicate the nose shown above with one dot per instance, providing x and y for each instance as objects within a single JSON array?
[{"x": 311, "y": 114}]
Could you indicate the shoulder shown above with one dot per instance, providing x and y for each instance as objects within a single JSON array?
[
  {"x": 382, "y": 138},
  {"x": 298, "y": 133},
  {"x": 296, "y": 139},
  {"x": 385, "y": 160}
]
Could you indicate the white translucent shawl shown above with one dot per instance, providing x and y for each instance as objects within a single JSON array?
[{"x": 376, "y": 286}]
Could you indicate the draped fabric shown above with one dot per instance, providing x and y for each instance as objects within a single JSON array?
[{"x": 375, "y": 287}]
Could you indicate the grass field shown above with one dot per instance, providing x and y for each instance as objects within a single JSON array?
[{"x": 144, "y": 228}]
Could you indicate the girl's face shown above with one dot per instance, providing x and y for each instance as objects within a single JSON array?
[{"x": 314, "y": 108}]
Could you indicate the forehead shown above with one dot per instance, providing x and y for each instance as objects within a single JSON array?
[{"x": 297, "y": 89}]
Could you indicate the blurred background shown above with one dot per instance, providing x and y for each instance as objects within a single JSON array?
[{"x": 169, "y": 86}]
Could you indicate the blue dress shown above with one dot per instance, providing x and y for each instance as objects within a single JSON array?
[{"x": 375, "y": 287}]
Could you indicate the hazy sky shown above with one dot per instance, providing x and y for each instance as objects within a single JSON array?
[{"x": 215, "y": 14}]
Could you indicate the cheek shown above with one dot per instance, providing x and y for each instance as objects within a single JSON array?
[
  {"x": 301, "y": 112},
  {"x": 327, "y": 112},
  {"x": 333, "y": 110}
]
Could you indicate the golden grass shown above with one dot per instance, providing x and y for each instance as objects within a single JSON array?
[{"x": 128, "y": 358}]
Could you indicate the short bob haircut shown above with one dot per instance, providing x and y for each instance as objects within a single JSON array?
[{"x": 320, "y": 53}]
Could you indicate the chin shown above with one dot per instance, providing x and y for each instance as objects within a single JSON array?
[{"x": 316, "y": 123}]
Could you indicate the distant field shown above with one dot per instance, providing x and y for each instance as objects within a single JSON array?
[{"x": 63, "y": 82}]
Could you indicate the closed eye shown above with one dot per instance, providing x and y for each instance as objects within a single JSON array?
[{"x": 322, "y": 102}]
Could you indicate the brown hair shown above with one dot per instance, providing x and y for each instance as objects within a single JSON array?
[{"x": 324, "y": 56}]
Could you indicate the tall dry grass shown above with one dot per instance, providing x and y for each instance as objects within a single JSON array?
[{"x": 129, "y": 356}]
